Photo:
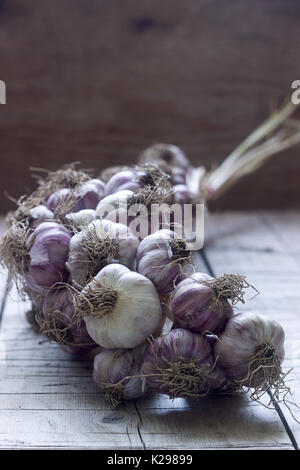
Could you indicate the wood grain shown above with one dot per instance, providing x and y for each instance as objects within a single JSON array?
[
  {"x": 263, "y": 246},
  {"x": 98, "y": 81},
  {"x": 48, "y": 399}
]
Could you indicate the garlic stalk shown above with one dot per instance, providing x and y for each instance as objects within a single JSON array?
[{"x": 272, "y": 136}]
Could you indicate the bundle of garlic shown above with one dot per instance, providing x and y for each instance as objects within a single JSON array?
[{"x": 102, "y": 276}]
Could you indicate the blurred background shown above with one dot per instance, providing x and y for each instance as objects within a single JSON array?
[{"x": 98, "y": 81}]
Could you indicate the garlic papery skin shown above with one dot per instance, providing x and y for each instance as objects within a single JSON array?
[
  {"x": 116, "y": 372},
  {"x": 163, "y": 259},
  {"x": 100, "y": 243},
  {"x": 179, "y": 364},
  {"x": 250, "y": 350},
  {"x": 48, "y": 247},
  {"x": 121, "y": 308},
  {"x": 59, "y": 322},
  {"x": 197, "y": 307}
]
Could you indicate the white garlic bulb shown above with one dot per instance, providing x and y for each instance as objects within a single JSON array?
[
  {"x": 121, "y": 308},
  {"x": 114, "y": 206}
]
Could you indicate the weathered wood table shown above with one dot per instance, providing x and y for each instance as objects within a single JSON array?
[{"x": 48, "y": 400}]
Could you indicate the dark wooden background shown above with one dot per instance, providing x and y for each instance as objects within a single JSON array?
[{"x": 98, "y": 81}]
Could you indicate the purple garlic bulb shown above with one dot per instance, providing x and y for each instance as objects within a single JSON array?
[
  {"x": 163, "y": 259},
  {"x": 197, "y": 305},
  {"x": 60, "y": 323},
  {"x": 116, "y": 372},
  {"x": 85, "y": 196},
  {"x": 127, "y": 179},
  {"x": 48, "y": 247},
  {"x": 136, "y": 179},
  {"x": 181, "y": 364}
]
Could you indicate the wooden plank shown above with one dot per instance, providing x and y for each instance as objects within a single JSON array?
[
  {"x": 265, "y": 248},
  {"x": 49, "y": 400},
  {"x": 109, "y": 78},
  {"x": 215, "y": 422}
]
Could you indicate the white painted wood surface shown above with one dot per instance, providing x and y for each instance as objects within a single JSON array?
[{"x": 48, "y": 399}]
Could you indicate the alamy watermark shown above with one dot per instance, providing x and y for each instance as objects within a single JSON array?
[
  {"x": 185, "y": 222},
  {"x": 2, "y": 92},
  {"x": 295, "y": 98}
]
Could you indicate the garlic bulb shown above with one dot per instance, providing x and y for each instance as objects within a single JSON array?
[
  {"x": 107, "y": 173},
  {"x": 97, "y": 245},
  {"x": 181, "y": 364},
  {"x": 84, "y": 196},
  {"x": 251, "y": 350},
  {"x": 116, "y": 372},
  {"x": 121, "y": 308},
  {"x": 198, "y": 306},
  {"x": 170, "y": 158},
  {"x": 183, "y": 195},
  {"x": 167, "y": 153},
  {"x": 163, "y": 259},
  {"x": 59, "y": 322},
  {"x": 114, "y": 207},
  {"x": 48, "y": 247},
  {"x": 136, "y": 210},
  {"x": 39, "y": 214},
  {"x": 136, "y": 179},
  {"x": 81, "y": 218},
  {"x": 58, "y": 198},
  {"x": 126, "y": 179},
  {"x": 89, "y": 194}
]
